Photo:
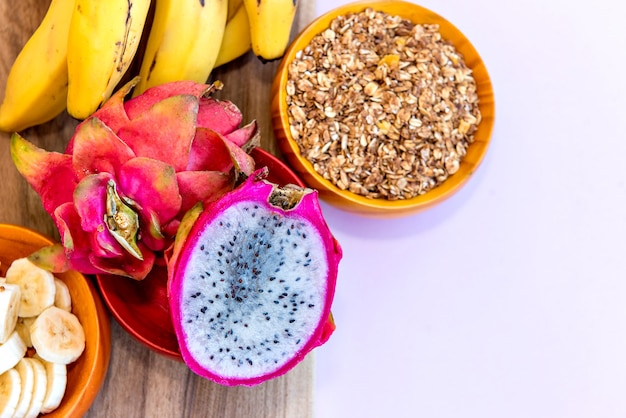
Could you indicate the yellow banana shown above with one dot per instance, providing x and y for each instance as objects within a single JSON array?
[
  {"x": 270, "y": 26},
  {"x": 36, "y": 87},
  {"x": 184, "y": 41},
  {"x": 103, "y": 40},
  {"x": 236, "y": 40},
  {"x": 233, "y": 7}
]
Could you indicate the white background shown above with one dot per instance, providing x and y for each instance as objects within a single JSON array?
[{"x": 509, "y": 299}]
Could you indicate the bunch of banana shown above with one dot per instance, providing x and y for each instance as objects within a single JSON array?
[
  {"x": 83, "y": 48},
  {"x": 35, "y": 312}
]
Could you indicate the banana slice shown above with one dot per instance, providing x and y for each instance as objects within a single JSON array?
[
  {"x": 36, "y": 286},
  {"x": 9, "y": 308},
  {"x": 10, "y": 388},
  {"x": 62, "y": 297},
  {"x": 40, "y": 384},
  {"x": 57, "y": 382},
  {"x": 23, "y": 328},
  {"x": 58, "y": 336},
  {"x": 27, "y": 377},
  {"x": 11, "y": 352}
]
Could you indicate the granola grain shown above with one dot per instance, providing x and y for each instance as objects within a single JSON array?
[{"x": 382, "y": 107}]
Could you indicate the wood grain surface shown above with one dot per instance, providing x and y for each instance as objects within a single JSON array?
[{"x": 141, "y": 383}]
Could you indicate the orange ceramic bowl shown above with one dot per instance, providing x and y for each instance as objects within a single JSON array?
[
  {"x": 85, "y": 375},
  {"x": 383, "y": 207},
  {"x": 142, "y": 307}
]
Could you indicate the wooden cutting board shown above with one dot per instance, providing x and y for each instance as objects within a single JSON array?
[{"x": 141, "y": 383}]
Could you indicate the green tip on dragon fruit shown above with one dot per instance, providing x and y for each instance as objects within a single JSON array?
[{"x": 131, "y": 171}]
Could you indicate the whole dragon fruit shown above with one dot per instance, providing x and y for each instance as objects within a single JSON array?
[
  {"x": 252, "y": 279},
  {"x": 131, "y": 171}
]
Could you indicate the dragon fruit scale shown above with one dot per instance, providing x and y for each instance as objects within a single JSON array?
[
  {"x": 252, "y": 281},
  {"x": 131, "y": 171}
]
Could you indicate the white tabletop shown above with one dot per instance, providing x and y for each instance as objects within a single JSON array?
[{"x": 509, "y": 299}]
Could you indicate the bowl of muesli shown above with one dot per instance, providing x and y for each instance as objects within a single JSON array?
[{"x": 384, "y": 107}]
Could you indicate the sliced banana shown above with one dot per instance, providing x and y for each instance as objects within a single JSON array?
[
  {"x": 58, "y": 336},
  {"x": 35, "y": 311},
  {"x": 62, "y": 297},
  {"x": 27, "y": 378},
  {"x": 10, "y": 388},
  {"x": 9, "y": 308},
  {"x": 11, "y": 352},
  {"x": 57, "y": 382},
  {"x": 23, "y": 328},
  {"x": 36, "y": 286},
  {"x": 40, "y": 385}
]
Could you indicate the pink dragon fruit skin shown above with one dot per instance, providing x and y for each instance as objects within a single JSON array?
[
  {"x": 150, "y": 158},
  {"x": 292, "y": 251}
]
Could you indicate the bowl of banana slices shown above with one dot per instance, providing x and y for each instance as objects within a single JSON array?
[{"x": 54, "y": 333}]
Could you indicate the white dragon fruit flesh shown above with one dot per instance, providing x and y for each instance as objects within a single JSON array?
[{"x": 252, "y": 281}]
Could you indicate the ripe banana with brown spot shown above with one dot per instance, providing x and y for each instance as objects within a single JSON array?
[
  {"x": 36, "y": 87},
  {"x": 103, "y": 40},
  {"x": 270, "y": 26},
  {"x": 236, "y": 40},
  {"x": 183, "y": 43}
]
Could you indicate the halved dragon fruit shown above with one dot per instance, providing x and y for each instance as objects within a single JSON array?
[{"x": 252, "y": 282}]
